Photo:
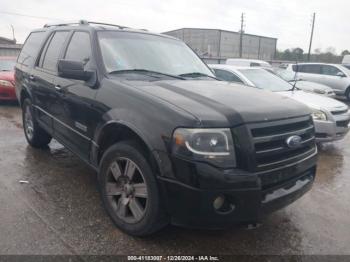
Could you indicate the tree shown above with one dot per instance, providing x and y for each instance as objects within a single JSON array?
[
  {"x": 345, "y": 52},
  {"x": 331, "y": 50},
  {"x": 298, "y": 53}
]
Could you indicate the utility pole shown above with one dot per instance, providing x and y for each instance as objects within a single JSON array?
[
  {"x": 241, "y": 36},
  {"x": 13, "y": 33},
  {"x": 312, "y": 35}
]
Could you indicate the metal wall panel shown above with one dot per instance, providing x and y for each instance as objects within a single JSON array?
[{"x": 219, "y": 44}]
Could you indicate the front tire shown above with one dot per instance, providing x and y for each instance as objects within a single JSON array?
[
  {"x": 347, "y": 94},
  {"x": 35, "y": 135},
  {"x": 129, "y": 190}
]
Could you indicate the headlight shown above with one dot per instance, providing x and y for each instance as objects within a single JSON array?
[
  {"x": 319, "y": 91},
  {"x": 6, "y": 83},
  {"x": 212, "y": 145},
  {"x": 319, "y": 115}
]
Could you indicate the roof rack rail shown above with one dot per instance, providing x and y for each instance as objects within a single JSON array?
[
  {"x": 99, "y": 23},
  {"x": 83, "y": 22},
  {"x": 79, "y": 22}
]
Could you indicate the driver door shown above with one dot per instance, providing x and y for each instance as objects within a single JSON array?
[{"x": 77, "y": 116}]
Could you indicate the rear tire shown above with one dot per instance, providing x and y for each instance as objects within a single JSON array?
[
  {"x": 129, "y": 190},
  {"x": 35, "y": 135}
]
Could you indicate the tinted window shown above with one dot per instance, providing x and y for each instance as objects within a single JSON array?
[
  {"x": 226, "y": 76},
  {"x": 7, "y": 65},
  {"x": 254, "y": 64},
  {"x": 53, "y": 51},
  {"x": 330, "y": 70},
  {"x": 79, "y": 48},
  {"x": 31, "y": 48},
  {"x": 311, "y": 69},
  {"x": 42, "y": 56}
]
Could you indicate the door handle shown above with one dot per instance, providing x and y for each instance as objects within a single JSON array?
[
  {"x": 58, "y": 88},
  {"x": 32, "y": 78}
]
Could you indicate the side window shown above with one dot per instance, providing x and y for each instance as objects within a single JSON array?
[
  {"x": 31, "y": 48},
  {"x": 42, "y": 56},
  {"x": 330, "y": 70},
  {"x": 310, "y": 69},
  {"x": 253, "y": 64},
  {"x": 227, "y": 76},
  {"x": 79, "y": 48},
  {"x": 53, "y": 50}
]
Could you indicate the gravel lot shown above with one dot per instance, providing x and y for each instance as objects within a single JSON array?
[{"x": 59, "y": 211}]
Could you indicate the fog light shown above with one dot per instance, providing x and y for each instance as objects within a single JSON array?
[{"x": 218, "y": 202}]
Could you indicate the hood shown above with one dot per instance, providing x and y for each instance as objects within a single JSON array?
[
  {"x": 218, "y": 103},
  {"x": 311, "y": 86},
  {"x": 7, "y": 75},
  {"x": 315, "y": 101}
]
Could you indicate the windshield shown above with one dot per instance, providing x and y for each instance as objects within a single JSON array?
[
  {"x": 286, "y": 74},
  {"x": 129, "y": 51},
  {"x": 265, "y": 80},
  {"x": 7, "y": 65}
]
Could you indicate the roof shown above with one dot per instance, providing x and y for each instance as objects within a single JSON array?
[
  {"x": 220, "y": 30},
  {"x": 232, "y": 67},
  {"x": 96, "y": 26}
]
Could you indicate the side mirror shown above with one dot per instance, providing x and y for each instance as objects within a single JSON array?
[
  {"x": 341, "y": 74},
  {"x": 73, "y": 70}
]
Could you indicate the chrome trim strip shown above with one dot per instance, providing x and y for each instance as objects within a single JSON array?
[
  {"x": 288, "y": 165},
  {"x": 286, "y": 159},
  {"x": 295, "y": 132},
  {"x": 269, "y": 150},
  {"x": 280, "y": 148},
  {"x": 67, "y": 126}
]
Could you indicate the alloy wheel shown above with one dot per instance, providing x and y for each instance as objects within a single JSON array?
[
  {"x": 126, "y": 190},
  {"x": 28, "y": 123}
]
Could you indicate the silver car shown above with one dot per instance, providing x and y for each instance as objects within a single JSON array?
[
  {"x": 335, "y": 76},
  {"x": 331, "y": 117},
  {"x": 302, "y": 84}
]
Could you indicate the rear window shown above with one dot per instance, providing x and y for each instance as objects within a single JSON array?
[
  {"x": 7, "y": 64},
  {"x": 54, "y": 49},
  {"x": 31, "y": 48}
]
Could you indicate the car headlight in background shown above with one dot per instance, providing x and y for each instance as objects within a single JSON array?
[
  {"x": 212, "y": 145},
  {"x": 5, "y": 83},
  {"x": 319, "y": 115},
  {"x": 319, "y": 91}
]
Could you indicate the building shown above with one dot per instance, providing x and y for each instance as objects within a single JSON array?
[
  {"x": 9, "y": 47},
  {"x": 215, "y": 45}
]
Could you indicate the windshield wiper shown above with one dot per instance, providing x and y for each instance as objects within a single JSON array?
[
  {"x": 145, "y": 71},
  {"x": 197, "y": 74}
]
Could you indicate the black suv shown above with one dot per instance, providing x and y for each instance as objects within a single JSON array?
[{"x": 170, "y": 143}]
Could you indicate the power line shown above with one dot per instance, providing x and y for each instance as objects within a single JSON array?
[{"x": 30, "y": 16}]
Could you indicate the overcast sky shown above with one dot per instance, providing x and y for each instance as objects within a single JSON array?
[{"x": 287, "y": 20}]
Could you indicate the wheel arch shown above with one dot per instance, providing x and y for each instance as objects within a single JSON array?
[
  {"x": 113, "y": 132},
  {"x": 23, "y": 95}
]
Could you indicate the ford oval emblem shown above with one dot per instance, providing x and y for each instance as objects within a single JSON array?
[{"x": 294, "y": 141}]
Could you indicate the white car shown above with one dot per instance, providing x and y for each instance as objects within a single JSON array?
[
  {"x": 247, "y": 62},
  {"x": 335, "y": 76},
  {"x": 331, "y": 117}
]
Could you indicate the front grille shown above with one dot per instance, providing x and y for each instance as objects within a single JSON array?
[
  {"x": 271, "y": 149},
  {"x": 343, "y": 123}
]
